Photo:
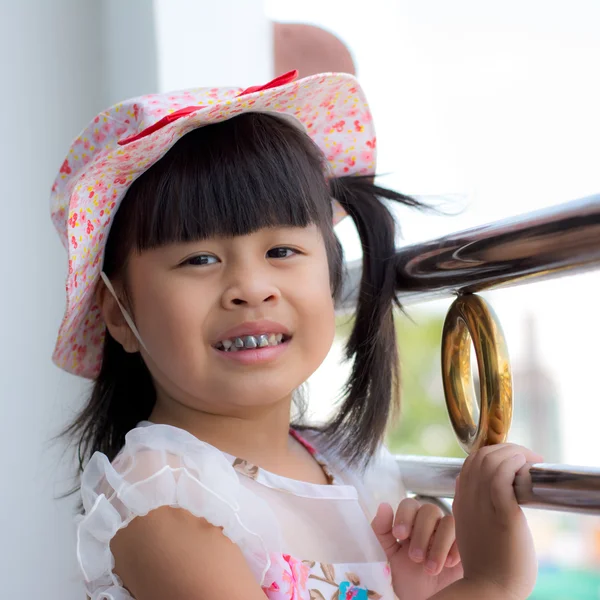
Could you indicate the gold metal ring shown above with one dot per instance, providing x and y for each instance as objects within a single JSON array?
[{"x": 470, "y": 318}]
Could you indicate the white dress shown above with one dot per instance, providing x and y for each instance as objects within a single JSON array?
[{"x": 301, "y": 540}]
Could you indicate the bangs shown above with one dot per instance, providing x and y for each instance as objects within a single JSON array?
[{"x": 229, "y": 179}]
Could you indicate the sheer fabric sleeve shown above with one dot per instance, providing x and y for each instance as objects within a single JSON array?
[
  {"x": 165, "y": 466},
  {"x": 383, "y": 481}
]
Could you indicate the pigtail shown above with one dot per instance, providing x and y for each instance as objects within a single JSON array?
[
  {"x": 122, "y": 396},
  {"x": 372, "y": 390}
]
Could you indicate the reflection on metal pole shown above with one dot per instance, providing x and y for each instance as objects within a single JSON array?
[{"x": 547, "y": 486}]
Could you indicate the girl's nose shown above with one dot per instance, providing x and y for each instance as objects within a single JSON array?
[{"x": 253, "y": 292}]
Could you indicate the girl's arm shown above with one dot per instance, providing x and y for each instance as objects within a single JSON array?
[{"x": 169, "y": 553}]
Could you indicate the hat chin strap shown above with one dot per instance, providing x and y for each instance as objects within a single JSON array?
[{"x": 124, "y": 312}]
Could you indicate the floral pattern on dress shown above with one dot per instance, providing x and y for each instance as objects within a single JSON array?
[
  {"x": 289, "y": 576},
  {"x": 245, "y": 468},
  {"x": 292, "y": 579}
]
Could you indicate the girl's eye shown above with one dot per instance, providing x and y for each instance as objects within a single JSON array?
[
  {"x": 281, "y": 252},
  {"x": 201, "y": 259}
]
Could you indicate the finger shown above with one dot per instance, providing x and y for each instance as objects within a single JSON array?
[
  {"x": 492, "y": 461},
  {"x": 382, "y": 527},
  {"x": 426, "y": 522},
  {"x": 487, "y": 459},
  {"x": 405, "y": 518},
  {"x": 442, "y": 542},
  {"x": 453, "y": 556},
  {"x": 472, "y": 465},
  {"x": 502, "y": 493}
]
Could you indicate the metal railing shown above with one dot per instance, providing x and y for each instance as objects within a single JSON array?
[
  {"x": 549, "y": 243},
  {"x": 530, "y": 247}
]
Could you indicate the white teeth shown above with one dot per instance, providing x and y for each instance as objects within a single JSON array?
[{"x": 250, "y": 342}]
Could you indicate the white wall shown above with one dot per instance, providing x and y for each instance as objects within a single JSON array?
[
  {"x": 62, "y": 62},
  {"x": 203, "y": 43}
]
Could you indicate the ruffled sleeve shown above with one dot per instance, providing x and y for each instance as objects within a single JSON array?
[{"x": 159, "y": 466}]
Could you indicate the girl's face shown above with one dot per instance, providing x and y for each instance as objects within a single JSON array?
[{"x": 191, "y": 301}]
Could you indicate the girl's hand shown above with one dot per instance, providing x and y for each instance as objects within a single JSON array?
[
  {"x": 419, "y": 542},
  {"x": 492, "y": 533}
]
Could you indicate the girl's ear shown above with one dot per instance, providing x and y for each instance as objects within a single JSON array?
[{"x": 114, "y": 319}]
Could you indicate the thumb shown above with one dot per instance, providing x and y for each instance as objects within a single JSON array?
[{"x": 382, "y": 527}]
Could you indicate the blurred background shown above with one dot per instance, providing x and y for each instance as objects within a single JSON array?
[{"x": 485, "y": 109}]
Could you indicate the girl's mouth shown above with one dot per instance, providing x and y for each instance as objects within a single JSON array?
[{"x": 252, "y": 342}]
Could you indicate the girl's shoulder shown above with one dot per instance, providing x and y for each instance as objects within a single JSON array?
[{"x": 163, "y": 466}]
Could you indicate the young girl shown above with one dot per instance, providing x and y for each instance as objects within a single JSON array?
[{"x": 203, "y": 274}]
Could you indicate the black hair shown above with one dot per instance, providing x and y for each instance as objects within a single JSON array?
[{"x": 233, "y": 178}]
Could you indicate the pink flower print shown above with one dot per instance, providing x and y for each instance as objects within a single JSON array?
[
  {"x": 99, "y": 137},
  {"x": 372, "y": 143},
  {"x": 366, "y": 156},
  {"x": 289, "y": 576},
  {"x": 350, "y": 162},
  {"x": 339, "y": 126},
  {"x": 353, "y": 112},
  {"x": 86, "y": 143},
  {"x": 120, "y": 179},
  {"x": 336, "y": 150},
  {"x": 54, "y": 187},
  {"x": 90, "y": 227},
  {"x": 136, "y": 111},
  {"x": 65, "y": 168},
  {"x": 73, "y": 220},
  {"x": 358, "y": 127},
  {"x": 99, "y": 188},
  {"x": 273, "y": 588},
  {"x": 367, "y": 117}
]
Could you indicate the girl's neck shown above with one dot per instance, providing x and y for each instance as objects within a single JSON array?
[{"x": 256, "y": 436}]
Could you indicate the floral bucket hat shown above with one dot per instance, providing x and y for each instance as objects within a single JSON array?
[{"x": 125, "y": 140}]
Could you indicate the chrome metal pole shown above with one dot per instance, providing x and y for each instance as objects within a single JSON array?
[
  {"x": 546, "y": 486},
  {"x": 548, "y": 243}
]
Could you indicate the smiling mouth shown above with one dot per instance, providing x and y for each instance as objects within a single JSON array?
[{"x": 252, "y": 342}]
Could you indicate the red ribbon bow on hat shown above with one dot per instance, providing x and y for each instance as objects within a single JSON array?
[{"x": 188, "y": 110}]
